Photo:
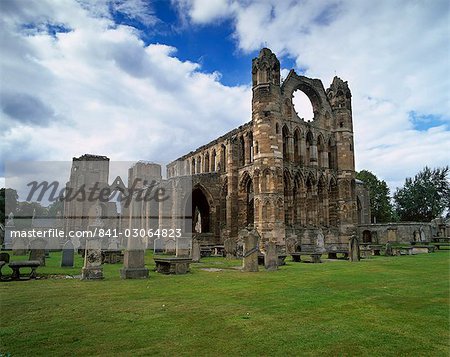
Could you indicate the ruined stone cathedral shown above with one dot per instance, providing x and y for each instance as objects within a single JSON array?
[{"x": 290, "y": 179}]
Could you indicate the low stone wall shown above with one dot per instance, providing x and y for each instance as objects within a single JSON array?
[{"x": 402, "y": 232}]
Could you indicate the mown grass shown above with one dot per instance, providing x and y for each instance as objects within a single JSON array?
[{"x": 379, "y": 306}]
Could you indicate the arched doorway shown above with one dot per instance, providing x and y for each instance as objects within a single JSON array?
[
  {"x": 199, "y": 209},
  {"x": 367, "y": 236}
]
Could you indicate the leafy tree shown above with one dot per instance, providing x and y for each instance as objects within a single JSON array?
[
  {"x": 424, "y": 197},
  {"x": 8, "y": 203},
  {"x": 55, "y": 208},
  {"x": 380, "y": 201}
]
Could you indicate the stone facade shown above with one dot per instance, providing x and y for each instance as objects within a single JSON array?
[
  {"x": 398, "y": 232},
  {"x": 287, "y": 177}
]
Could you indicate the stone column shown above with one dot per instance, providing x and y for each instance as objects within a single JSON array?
[
  {"x": 313, "y": 153},
  {"x": 247, "y": 146},
  {"x": 303, "y": 150},
  {"x": 290, "y": 147}
]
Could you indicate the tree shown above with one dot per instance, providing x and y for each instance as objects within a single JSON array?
[
  {"x": 380, "y": 201},
  {"x": 424, "y": 197},
  {"x": 8, "y": 203}
]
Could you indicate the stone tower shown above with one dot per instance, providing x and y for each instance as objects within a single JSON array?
[
  {"x": 339, "y": 96},
  {"x": 268, "y": 157}
]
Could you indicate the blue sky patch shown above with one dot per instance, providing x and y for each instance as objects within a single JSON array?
[{"x": 423, "y": 122}]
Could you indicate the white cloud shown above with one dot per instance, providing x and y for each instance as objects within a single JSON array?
[
  {"x": 204, "y": 11},
  {"x": 109, "y": 93},
  {"x": 394, "y": 54},
  {"x": 102, "y": 90}
]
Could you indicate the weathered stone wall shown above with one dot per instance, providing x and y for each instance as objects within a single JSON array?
[
  {"x": 363, "y": 203},
  {"x": 285, "y": 176},
  {"x": 401, "y": 232}
]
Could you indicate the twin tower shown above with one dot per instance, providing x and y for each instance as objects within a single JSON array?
[{"x": 303, "y": 171}]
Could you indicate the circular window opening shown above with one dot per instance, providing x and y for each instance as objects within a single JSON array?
[{"x": 302, "y": 106}]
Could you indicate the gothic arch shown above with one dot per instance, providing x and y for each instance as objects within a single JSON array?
[{"x": 313, "y": 88}]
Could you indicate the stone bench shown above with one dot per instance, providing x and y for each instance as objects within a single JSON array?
[
  {"x": 16, "y": 266},
  {"x": 332, "y": 254},
  {"x": 439, "y": 245},
  {"x": 280, "y": 261},
  {"x": 205, "y": 252},
  {"x": 315, "y": 257},
  {"x": 402, "y": 250},
  {"x": 218, "y": 250},
  {"x": 172, "y": 265},
  {"x": 420, "y": 243},
  {"x": 441, "y": 239},
  {"x": 418, "y": 249}
]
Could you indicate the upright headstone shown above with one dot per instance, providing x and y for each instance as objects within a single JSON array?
[
  {"x": 9, "y": 226},
  {"x": 320, "y": 243},
  {"x": 423, "y": 238},
  {"x": 20, "y": 246},
  {"x": 183, "y": 246},
  {"x": 230, "y": 248},
  {"x": 134, "y": 260},
  {"x": 388, "y": 250},
  {"x": 416, "y": 236},
  {"x": 68, "y": 253},
  {"x": 291, "y": 243},
  {"x": 354, "y": 249},
  {"x": 170, "y": 246},
  {"x": 37, "y": 250},
  {"x": 92, "y": 269},
  {"x": 158, "y": 246},
  {"x": 195, "y": 250},
  {"x": 271, "y": 256},
  {"x": 251, "y": 250}
]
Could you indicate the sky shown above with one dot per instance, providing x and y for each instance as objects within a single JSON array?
[{"x": 153, "y": 80}]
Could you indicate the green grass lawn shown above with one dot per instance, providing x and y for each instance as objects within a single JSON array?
[{"x": 379, "y": 306}]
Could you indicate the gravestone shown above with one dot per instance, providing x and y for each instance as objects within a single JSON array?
[
  {"x": 53, "y": 244},
  {"x": 388, "y": 250},
  {"x": 240, "y": 248},
  {"x": 416, "y": 235},
  {"x": 229, "y": 245},
  {"x": 271, "y": 256},
  {"x": 37, "y": 250},
  {"x": 195, "y": 250},
  {"x": 92, "y": 268},
  {"x": 134, "y": 260},
  {"x": 320, "y": 243},
  {"x": 250, "y": 250},
  {"x": 291, "y": 243},
  {"x": 354, "y": 249},
  {"x": 170, "y": 246},
  {"x": 68, "y": 253},
  {"x": 183, "y": 246},
  {"x": 423, "y": 238},
  {"x": 158, "y": 245},
  {"x": 20, "y": 246}
]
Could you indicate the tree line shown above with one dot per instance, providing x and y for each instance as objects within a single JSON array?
[{"x": 421, "y": 199}]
